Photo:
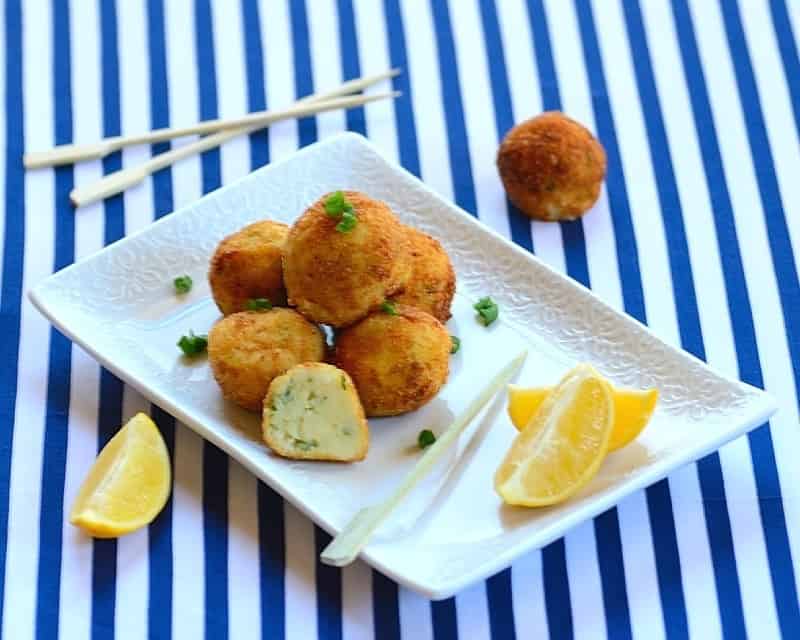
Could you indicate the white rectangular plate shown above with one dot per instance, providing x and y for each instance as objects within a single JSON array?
[{"x": 120, "y": 306}]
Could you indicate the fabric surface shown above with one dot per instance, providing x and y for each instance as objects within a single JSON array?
[{"x": 698, "y": 105}]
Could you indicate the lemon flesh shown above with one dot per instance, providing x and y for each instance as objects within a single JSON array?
[
  {"x": 129, "y": 483},
  {"x": 563, "y": 445},
  {"x": 633, "y": 409}
]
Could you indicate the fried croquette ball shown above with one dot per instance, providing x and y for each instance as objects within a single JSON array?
[
  {"x": 551, "y": 167},
  {"x": 431, "y": 283},
  {"x": 397, "y": 361},
  {"x": 312, "y": 412},
  {"x": 247, "y": 265},
  {"x": 246, "y": 350},
  {"x": 336, "y": 277}
]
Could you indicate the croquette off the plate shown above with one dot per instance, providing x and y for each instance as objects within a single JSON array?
[
  {"x": 246, "y": 350},
  {"x": 398, "y": 360},
  {"x": 247, "y": 265},
  {"x": 312, "y": 412},
  {"x": 552, "y": 167},
  {"x": 335, "y": 277}
]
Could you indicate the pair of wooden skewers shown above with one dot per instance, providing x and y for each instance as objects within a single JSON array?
[{"x": 216, "y": 132}]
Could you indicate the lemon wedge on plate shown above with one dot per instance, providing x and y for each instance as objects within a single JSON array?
[
  {"x": 633, "y": 409},
  {"x": 563, "y": 445},
  {"x": 128, "y": 484}
]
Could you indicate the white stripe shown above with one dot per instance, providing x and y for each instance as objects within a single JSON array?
[
  {"x": 231, "y": 80},
  {"x": 19, "y": 607},
  {"x": 601, "y": 253},
  {"x": 423, "y": 70},
  {"x": 776, "y": 104},
  {"x": 735, "y": 457},
  {"x": 279, "y": 68},
  {"x": 182, "y": 83},
  {"x": 134, "y": 107},
  {"x": 244, "y": 597},
  {"x": 482, "y": 134},
  {"x": 585, "y": 588},
  {"x": 472, "y": 612},
  {"x": 357, "y": 616},
  {"x": 188, "y": 594},
  {"x": 530, "y": 614},
  {"x": 300, "y": 576},
  {"x": 415, "y": 615},
  {"x": 326, "y": 66},
  {"x": 752, "y": 236},
  {"x": 373, "y": 54},
  {"x": 76, "y": 559}
]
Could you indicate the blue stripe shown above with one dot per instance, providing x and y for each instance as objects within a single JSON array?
[
  {"x": 60, "y": 360},
  {"x": 385, "y": 607},
  {"x": 159, "y": 604},
  {"x": 612, "y": 575},
  {"x": 351, "y": 66},
  {"x": 328, "y": 579},
  {"x": 501, "y": 606},
  {"x": 159, "y": 103},
  {"x": 555, "y": 582},
  {"x": 444, "y": 620},
  {"x": 104, "y": 553},
  {"x": 518, "y": 222},
  {"x": 272, "y": 543},
  {"x": 456, "y": 129},
  {"x": 215, "y": 462},
  {"x": 14, "y": 242},
  {"x": 405, "y": 123},
  {"x": 254, "y": 69},
  {"x": 766, "y": 472},
  {"x": 787, "y": 45}
]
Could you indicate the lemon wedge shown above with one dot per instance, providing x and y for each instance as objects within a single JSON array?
[
  {"x": 633, "y": 409},
  {"x": 128, "y": 484},
  {"x": 563, "y": 445}
]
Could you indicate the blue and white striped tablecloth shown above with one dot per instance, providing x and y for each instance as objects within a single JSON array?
[{"x": 698, "y": 105}]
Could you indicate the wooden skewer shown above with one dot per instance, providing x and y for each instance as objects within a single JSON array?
[
  {"x": 118, "y": 181},
  {"x": 69, "y": 153}
]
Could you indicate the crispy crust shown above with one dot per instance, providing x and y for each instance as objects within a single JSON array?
[
  {"x": 398, "y": 362},
  {"x": 278, "y": 448},
  {"x": 246, "y": 350},
  {"x": 432, "y": 281},
  {"x": 247, "y": 264},
  {"x": 336, "y": 278},
  {"x": 552, "y": 167}
]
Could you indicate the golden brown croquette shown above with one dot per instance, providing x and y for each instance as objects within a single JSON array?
[
  {"x": 335, "y": 277},
  {"x": 552, "y": 167},
  {"x": 431, "y": 283},
  {"x": 246, "y": 350},
  {"x": 398, "y": 361},
  {"x": 247, "y": 265}
]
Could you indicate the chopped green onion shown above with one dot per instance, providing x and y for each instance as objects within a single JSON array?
[
  {"x": 425, "y": 438},
  {"x": 455, "y": 344},
  {"x": 347, "y": 223},
  {"x": 337, "y": 206},
  {"x": 258, "y": 304},
  {"x": 193, "y": 344},
  {"x": 487, "y": 311},
  {"x": 183, "y": 284},
  {"x": 344, "y": 382},
  {"x": 387, "y": 306}
]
